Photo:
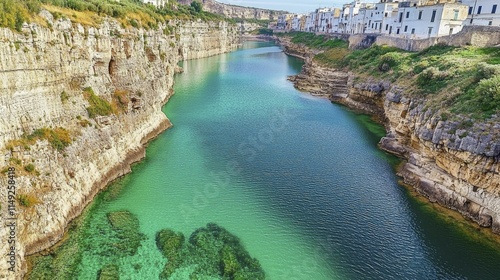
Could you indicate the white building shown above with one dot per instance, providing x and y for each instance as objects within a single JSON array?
[
  {"x": 311, "y": 22},
  {"x": 157, "y": 3},
  {"x": 379, "y": 15},
  {"x": 482, "y": 12},
  {"x": 420, "y": 22},
  {"x": 417, "y": 19},
  {"x": 328, "y": 20},
  {"x": 360, "y": 19},
  {"x": 283, "y": 21},
  {"x": 298, "y": 23}
]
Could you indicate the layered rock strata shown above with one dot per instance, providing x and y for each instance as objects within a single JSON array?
[
  {"x": 239, "y": 12},
  {"x": 47, "y": 74},
  {"x": 454, "y": 163}
]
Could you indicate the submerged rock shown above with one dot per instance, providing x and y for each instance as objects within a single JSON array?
[
  {"x": 109, "y": 272},
  {"x": 212, "y": 251}
]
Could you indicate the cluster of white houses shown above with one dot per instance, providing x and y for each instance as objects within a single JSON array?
[{"x": 416, "y": 19}]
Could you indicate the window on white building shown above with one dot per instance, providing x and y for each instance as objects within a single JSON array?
[
  {"x": 494, "y": 9},
  {"x": 433, "y": 17},
  {"x": 406, "y": 28},
  {"x": 420, "y": 15},
  {"x": 407, "y": 14},
  {"x": 400, "y": 17},
  {"x": 470, "y": 10},
  {"x": 479, "y": 10},
  {"x": 455, "y": 14},
  {"x": 413, "y": 31}
]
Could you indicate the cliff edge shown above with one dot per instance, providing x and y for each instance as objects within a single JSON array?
[
  {"x": 77, "y": 106},
  {"x": 452, "y": 160}
]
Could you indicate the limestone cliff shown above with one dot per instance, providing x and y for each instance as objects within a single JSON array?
[
  {"x": 239, "y": 12},
  {"x": 454, "y": 163},
  {"x": 44, "y": 72}
]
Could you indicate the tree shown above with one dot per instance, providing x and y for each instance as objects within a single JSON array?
[{"x": 197, "y": 6}]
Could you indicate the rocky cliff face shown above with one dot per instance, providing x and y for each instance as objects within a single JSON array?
[
  {"x": 454, "y": 163},
  {"x": 232, "y": 11},
  {"x": 44, "y": 72}
]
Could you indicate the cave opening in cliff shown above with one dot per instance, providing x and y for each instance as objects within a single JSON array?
[{"x": 112, "y": 66}]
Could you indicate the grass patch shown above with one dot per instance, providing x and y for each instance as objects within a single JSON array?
[
  {"x": 27, "y": 200},
  {"x": 29, "y": 168},
  {"x": 97, "y": 105},
  {"x": 316, "y": 41},
  {"x": 64, "y": 97},
  {"x": 59, "y": 138},
  {"x": 120, "y": 101},
  {"x": 461, "y": 80}
]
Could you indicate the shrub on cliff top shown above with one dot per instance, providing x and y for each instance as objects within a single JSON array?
[{"x": 197, "y": 6}]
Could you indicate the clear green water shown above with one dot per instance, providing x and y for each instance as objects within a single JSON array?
[{"x": 299, "y": 180}]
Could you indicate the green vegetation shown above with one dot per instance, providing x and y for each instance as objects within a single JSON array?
[
  {"x": 64, "y": 97},
  {"x": 197, "y": 6},
  {"x": 15, "y": 160},
  {"x": 97, "y": 105},
  {"x": 134, "y": 13},
  {"x": 316, "y": 41},
  {"x": 29, "y": 168},
  {"x": 27, "y": 200},
  {"x": 14, "y": 13},
  {"x": 263, "y": 31},
  {"x": 211, "y": 252},
  {"x": 58, "y": 138},
  {"x": 120, "y": 101},
  {"x": 463, "y": 81}
]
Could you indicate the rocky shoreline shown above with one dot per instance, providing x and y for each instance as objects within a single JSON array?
[
  {"x": 46, "y": 72},
  {"x": 454, "y": 165}
]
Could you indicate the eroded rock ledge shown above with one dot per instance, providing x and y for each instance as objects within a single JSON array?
[
  {"x": 450, "y": 163},
  {"x": 44, "y": 72}
]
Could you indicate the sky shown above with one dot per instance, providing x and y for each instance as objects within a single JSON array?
[{"x": 294, "y": 6}]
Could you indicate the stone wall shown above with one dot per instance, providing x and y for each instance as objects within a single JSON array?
[
  {"x": 479, "y": 36},
  {"x": 43, "y": 75}
]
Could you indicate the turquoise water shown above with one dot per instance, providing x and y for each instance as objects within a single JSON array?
[{"x": 299, "y": 180}]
